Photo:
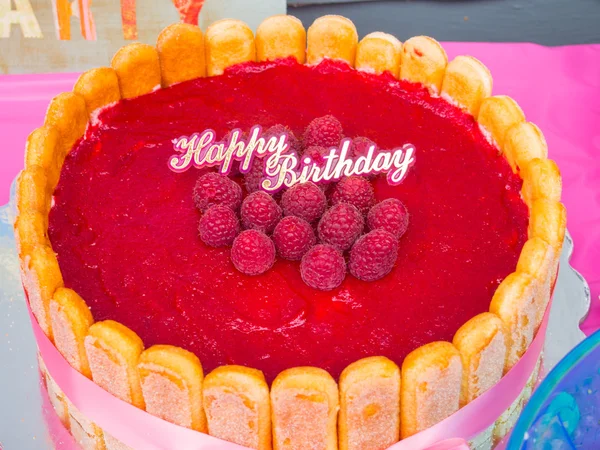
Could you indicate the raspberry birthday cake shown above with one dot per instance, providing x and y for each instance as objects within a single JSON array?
[{"x": 289, "y": 240}]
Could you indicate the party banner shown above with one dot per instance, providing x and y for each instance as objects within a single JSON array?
[{"x": 75, "y": 35}]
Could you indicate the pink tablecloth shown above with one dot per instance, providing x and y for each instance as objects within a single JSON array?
[{"x": 558, "y": 88}]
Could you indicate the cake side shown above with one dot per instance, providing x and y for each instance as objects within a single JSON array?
[{"x": 114, "y": 352}]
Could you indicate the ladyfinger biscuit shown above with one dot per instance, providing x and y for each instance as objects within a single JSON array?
[
  {"x": 482, "y": 347},
  {"x": 31, "y": 230},
  {"x": 548, "y": 220},
  {"x": 541, "y": 179},
  {"x": 514, "y": 303},
  {"x": 68, "y": 114},
  {"x": 113, "y": 351},
  {"x": 333, "y": 37},
  {"x": 523, "y": 142},
  {"x": 540, "y": 260},
  {"x": 430, "y": 387},
  {"x": 57, "y": 400},
  {"x": 138, "y": 69},
  {"x": 98, "y": 87},
  {"x": 281, "y": 37},
  {"x": 369, "y": 405},
  {"x": 228, "y": 42},
  {"x": 423, "y": 61},
  {"x": 467, "y": 82},
  {"x": 305, "y": 407},
  {"x": 32, "y": 190},
  {"x": 171, "y": 380},
  {"x": 43, "y": 149},
  {"x": 497, "y": 115},
  {"x": 181, "y": 53},
  {"x": 87, "y": 434},
  {"x": 71, "y": 319},
  {"x": 41, "y": 278},
  {"x": 379, "y": 52},
  {"x": 237, "y": 406}
]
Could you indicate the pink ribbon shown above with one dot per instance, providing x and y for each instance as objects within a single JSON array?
[{"x": 138, "y": 429}]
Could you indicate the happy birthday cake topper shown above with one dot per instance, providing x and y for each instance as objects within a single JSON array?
[{"x": 284, "y": 168}]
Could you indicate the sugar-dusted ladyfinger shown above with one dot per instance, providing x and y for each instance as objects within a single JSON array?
[
  {"x": 541, "y": 179},
  {"x": 98, "y": 87},
  {"x": 423, "y": 61},
  {"x": 305, "y": 407},
  {"x": 333, "y": 37},
  {"x": 31, "y": 230},
  {"x": 113, "y": 351},
  {"x": 87, "y": 434},
  {"x": 68, "y": 114},
  {"x": 228, "y": 42},
  {"x": 41, "y": 278},
  {"x": 379, "y": 52},
  {"x": 548, "y": 220},
  {"x": 540, "y": 260},
  {"x": 137, "y": 68},
  {"x": 71, "y": 319},
  {"x": 181, "y": 53},
  {"x": 430, "y": 388},
  {"x": 523, "y": 142},
  {"x": 281, "y": 36},
  {"x": 514, "y": 303},
  {"x": 467, "y": 82},
  {"x": 369, "y": 416},
  {"x": 43, "y": 149},
  {"x": 237, "y": 406},
  {"x": 32, "y": 190},
  {"x": 171, "y": 380},
  {"x": 497, "y": 115},
  {"x": 482, "y": 347},
  {"x": 57, "y": 399}
]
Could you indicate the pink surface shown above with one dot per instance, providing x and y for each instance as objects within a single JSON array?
[
  {"x": 558, "y": 88},
  {"x": 124, "y": 421}
]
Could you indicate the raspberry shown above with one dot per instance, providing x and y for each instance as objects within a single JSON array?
[
  {"x": 218, "y": 226},
  {"x": 214, "y": 189},
  {"x": 323, "y": 267},
  {"x": 391, "y": 215},
  {"x": 341, "y": 225},
  {"x": 252, "y": 252},
  {"x": 260, "y": 211},
  {"x": 360, "y": 146},
  {"x": 373, "y": 255},
  {"x": 254, "y": 177},
  {"x": 304, "y": 200},
  {"x": 324, "y": 131},
  {"x": 355, "y": 190},
  {"x": 293, "y": 237},
  {"x": 292, "y": 140},
  {"x": 316, "y": 153}
]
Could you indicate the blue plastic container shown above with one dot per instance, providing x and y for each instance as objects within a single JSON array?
[{"x": 564, "y": 411}]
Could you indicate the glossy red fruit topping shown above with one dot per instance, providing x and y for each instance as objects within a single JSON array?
[
  {"x": 218, "y": 226},
  {"x": 323, "y": 267},
  {"x": 373, "y": 255},
  {"x": 391, "y": 215},
  {"x": 293, "y": 237},
  {"x": 324, "y": 131},
  {"x": 341, "y": 225},
  {"x": 304, "y": 200},
  {"x": 357, "y": 191},
  {"x": 260, "y": 211},
  {"x": 253, "y": 252},
  {"x": 214, "y": 189}
]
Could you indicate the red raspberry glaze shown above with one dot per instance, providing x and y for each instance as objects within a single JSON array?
[{"x": 126, "y": 229}]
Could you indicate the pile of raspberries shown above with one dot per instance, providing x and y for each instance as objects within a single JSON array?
[{"x": 330, "y": 228}]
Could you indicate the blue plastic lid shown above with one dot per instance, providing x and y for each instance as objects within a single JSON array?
[{"x": 564, "y": 411}]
